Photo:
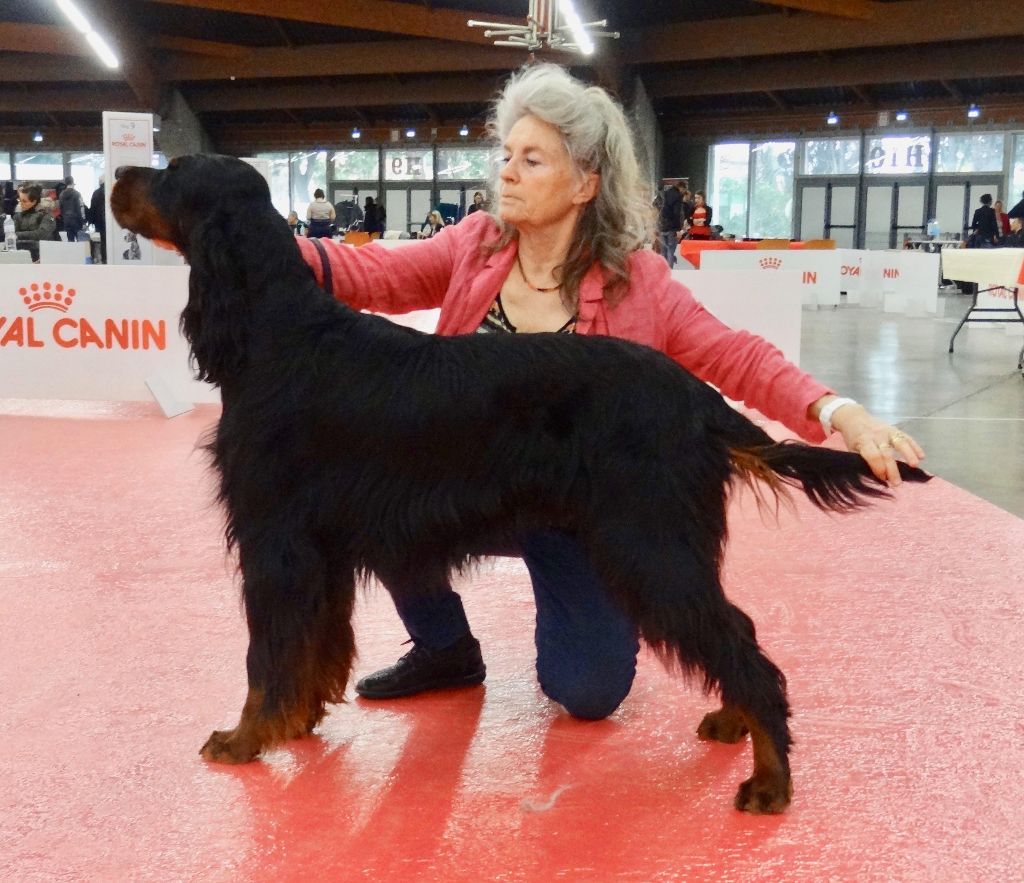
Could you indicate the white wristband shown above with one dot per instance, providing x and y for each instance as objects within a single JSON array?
[{"x": 825, "y": 414}]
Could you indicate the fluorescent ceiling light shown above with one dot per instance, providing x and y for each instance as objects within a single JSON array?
[
  {"x": 356, "y": 134},
  {"x": 579, "y": 35},
  {"x": 973, "y": 112},
  {"x": 832, "y": 119},
  {"x": 464, "y": 131},
  {"x": 75, "y": 16},
  {"x": 82, "y": 25},
  {"x": 901, "y": 116},
  {"x": 100, "y": 47}
]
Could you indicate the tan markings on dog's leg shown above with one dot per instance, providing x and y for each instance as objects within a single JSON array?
[
  {"x": 245, "y": 741},
  {"x": 770, "y": 789},
  {"x": 725, "y": 725}
]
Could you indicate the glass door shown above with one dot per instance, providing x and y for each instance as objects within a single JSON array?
[
  {"x": 956, "y": 199},
  {"x": 407, "y": 207},
  {"x": 892, "y": 210},
  {"x": 828, "y": 210}
]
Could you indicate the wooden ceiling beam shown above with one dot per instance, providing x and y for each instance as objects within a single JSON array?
[
  {"x": 381, "y": 93},
  {"x": 41, "y": 39},
  {"x": 71, "y": 99},
  {"x": 344, "y": 59},
  {"x": 856, "y": 9},
  {"x": 909, "y": 22},
  {"x": 368, "y": 15},
  {"x": 1000, "y": 58}
]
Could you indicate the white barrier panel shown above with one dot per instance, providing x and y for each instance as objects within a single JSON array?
[
  {"x": 53, "y": 252},
  {"x": 742, "y": 299},
  {"x": 127, "y": 141},
  {"x": 904, "y": 281},
  {"x": 95, "y": 333},
  {"x": 818, "y": 269},
  {"x": 851, "y": 273}
]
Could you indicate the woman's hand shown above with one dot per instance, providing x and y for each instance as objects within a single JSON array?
[{"x": 877, "y": 442}]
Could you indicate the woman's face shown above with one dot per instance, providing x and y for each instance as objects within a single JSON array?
[
  {"x": 478, "y": 198},
  {"x": 998, "y": 206},
  {"x": 25, "y": 201},
  {"x": 540, "y": 185},
  {"x": 698, "y": 200}
]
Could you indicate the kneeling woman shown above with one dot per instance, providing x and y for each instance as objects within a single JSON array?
[{"x": 562, "y": 250}]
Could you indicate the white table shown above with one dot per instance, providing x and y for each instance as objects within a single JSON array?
[{"x": 999, "y": 269}]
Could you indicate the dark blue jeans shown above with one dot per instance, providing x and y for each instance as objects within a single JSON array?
[{"x": 586, "y": 648}]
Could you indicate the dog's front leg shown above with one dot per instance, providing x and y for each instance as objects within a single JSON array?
[{"x": 301, "y": 649}]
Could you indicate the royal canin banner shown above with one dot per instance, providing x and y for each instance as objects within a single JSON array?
[{"x": 98, "y": 333}]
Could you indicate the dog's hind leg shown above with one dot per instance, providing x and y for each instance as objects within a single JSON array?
[
  {"x": 301, "y": 649},
  {"x": 675, "y": 598}
]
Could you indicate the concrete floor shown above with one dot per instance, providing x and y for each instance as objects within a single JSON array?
[{"x": 966, "y": 409}]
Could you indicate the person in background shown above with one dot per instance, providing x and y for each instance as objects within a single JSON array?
[
  {"x": 1002, "y": 218},
  {"x": 564, "y": 252},
  {"x": 294, "y": 222},
  {"x": 72, "y": 209},
  {"x": 432, "y": 226},
  {"x": 984, "y": 232},
  {"x": 700, "y": 217},
  {"x": 373, "y": 218},
  {"x": 98, "y": 216},
  {"x": 319, "y": 216},
  {"x": 33, "y": 223},
  {"x": 1015, "y": 238},
  {"x": 478, "y": 203},
  {"x": 670, "y": 221}
]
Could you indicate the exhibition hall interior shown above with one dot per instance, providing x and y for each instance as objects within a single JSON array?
[{"x": 794, "y": 200}]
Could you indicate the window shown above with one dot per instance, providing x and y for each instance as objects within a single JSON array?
[
  {"x": 836, "y": 156},
  {"x": 280, "y": 194},
  {"x": 308, "y": 173},
  {"x": 29, "y": 167},
  {"x": 730, "y": 164},
  {"x": 356, "y": 165},
  {"x": 771, "y": 196},
  {"x": 5, "y": 164},
  {"x": 1016, "y": 172},
  {"x": 409, "y": 165},
  {"x": 86, "y": 169},
  {"x": 898, "y": 155},
  {"x": 464, "y": 164},
  {"x": 970, "y": 153}
]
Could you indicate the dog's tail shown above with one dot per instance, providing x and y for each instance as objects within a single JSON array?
[{"x": 837, "y": 481}]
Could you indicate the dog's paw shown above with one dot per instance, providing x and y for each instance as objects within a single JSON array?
[
  {"x": 224, "y": 746},
  {"x": 765, "y": 795},
  {"x": 722, "y": 726}
]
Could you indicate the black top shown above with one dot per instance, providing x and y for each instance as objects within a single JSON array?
[{"x": 985, "y": 223}]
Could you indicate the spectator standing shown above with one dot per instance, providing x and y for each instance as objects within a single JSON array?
[
  {"x": 72, "y": 209},
  {"x": 373, "y": 219},
  {"x": 319, "y": 216},
  {"x": 984, "y": 225},
  {"x": 670, "y": 221},
  {"x": 98, "y": 216},
  {"x": 1002, "y": 218}
]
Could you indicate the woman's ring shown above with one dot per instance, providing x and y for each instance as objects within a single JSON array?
[{"x": 896, "y": 438}]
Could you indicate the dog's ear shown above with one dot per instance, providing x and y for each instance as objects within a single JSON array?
[{"x": 214, "y": 321}]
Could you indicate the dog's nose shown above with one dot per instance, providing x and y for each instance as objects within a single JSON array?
[{"x": 119, "y": 171}]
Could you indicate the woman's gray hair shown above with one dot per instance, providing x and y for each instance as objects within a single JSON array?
[{"x": 597, "y": 137}]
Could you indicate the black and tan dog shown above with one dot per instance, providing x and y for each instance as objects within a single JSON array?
[{"x": 349, "y": 446}]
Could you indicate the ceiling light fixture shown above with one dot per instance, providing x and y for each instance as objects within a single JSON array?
[
  {"x": 832, "y": 119},
  {"x": 410, "y": 133},
  {"x": 38, "y": 136},
  {"x": 973, "y": 112},
  {"x": 548, "y": 28},
  {"x": 357, "y": 134},
  {"x": 464, "y": 131},
  {"x": 84, "y": 27},
  {"x": 902, "y": 116}
]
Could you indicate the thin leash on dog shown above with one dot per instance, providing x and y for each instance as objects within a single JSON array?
[{"x": 350, "y": 446}]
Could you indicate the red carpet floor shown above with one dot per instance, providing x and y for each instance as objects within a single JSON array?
[{"x": 123, "y": 646}]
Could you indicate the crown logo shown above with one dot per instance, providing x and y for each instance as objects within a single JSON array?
[
  {"x": 770, "y": 263},
  {"x": 47, "y": 297}
]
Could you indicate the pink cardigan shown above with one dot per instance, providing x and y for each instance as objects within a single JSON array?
[{"x": 449, "y": 271}]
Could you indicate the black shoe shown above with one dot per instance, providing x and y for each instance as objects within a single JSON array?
[{"x": 422, "y": 669}]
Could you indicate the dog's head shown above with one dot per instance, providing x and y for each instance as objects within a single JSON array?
[{"x": 173, "y": 206}]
